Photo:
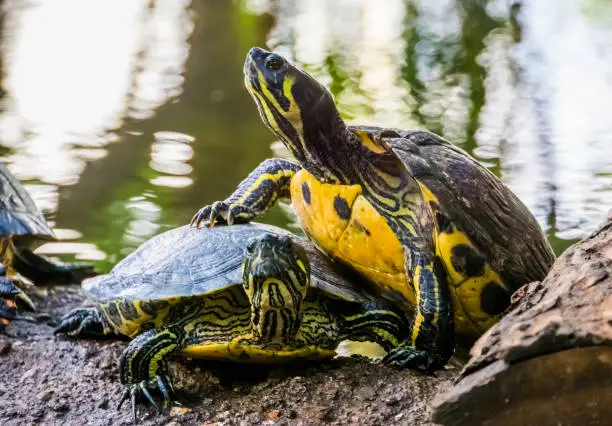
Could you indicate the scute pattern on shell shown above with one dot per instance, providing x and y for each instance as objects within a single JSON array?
[
  {"x": 190, "y": 261},
  {"x": 18, "y": 213}
]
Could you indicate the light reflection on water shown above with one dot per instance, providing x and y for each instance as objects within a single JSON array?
[{"x": 123, "y": 118}]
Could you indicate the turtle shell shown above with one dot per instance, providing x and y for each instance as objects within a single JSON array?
[
  {"x": 491, "y": 215},
  {"x": 19, "y": 216},
  {"x": 189, "y": 261}
]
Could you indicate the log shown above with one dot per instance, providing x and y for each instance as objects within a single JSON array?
[{"x": 549, "y": 361}]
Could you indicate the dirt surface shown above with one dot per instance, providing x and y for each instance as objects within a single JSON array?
[{"x": 52, "y": 380}]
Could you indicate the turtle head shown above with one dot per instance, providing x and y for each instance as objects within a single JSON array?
[
  {"x": 276, "y": 277},
  {"x": 295, "y": 106}
]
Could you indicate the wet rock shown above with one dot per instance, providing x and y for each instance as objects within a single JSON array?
[{"x": 551, "y": 356}]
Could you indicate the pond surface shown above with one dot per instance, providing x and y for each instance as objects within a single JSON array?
[{"x": 124, "y": 117}]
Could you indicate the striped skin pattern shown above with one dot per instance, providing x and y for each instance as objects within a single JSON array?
[
  {"x": 254, "y": 196},
  {"x": 276, "y": 277},
  {"x": 451, "y": 228},
  {"x": 432, "y": 264},
  {"x": 273, "y": 316},
  {"x": 302, "y": 113}
]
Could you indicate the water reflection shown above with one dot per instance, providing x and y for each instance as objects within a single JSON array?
[
  {"x": 170, "y": 155},
  {"x": 124, "y": 117},
  {"x": 502, "y": 83},
  {"x": 71, "y": 83}
]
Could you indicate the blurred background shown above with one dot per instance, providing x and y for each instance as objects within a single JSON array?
[{"x": 124, "y": 117}]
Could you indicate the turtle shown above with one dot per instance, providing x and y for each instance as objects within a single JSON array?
[
  {"x": 22, "y": 229},
  {"x": 250, "y": 293},
  {"x": 428, "y": 224}
]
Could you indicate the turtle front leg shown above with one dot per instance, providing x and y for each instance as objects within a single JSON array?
[
  {"x": 254, "y": 196},
  {"x": 432, "y": 339},
  {"x": 43, "y": 271},
  {"x": 84, "y": 322},
  {"x": 397, "y": 196},
  {"x": 143, "y": 365}
]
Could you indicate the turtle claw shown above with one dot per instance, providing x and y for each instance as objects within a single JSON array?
[
  {"x": 136, "y": 391},
  {"x": 163, "y": 384},
  {"x": 201, "y": 216},
  {"x": 223, "y": 212},
  {"x": 24, "y": 302},
  {"x": 408, "y": 356},
  {"x": 13, "y": 300},
  {"x": 80, "y": 322}
]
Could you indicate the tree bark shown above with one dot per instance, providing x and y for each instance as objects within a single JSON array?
[{"x": 549, "y": 361}]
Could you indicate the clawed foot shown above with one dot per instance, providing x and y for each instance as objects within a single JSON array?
[
  {"x": 223, "y": 212},
  {"x": 409, "y": 356},
  {"x": 136, "y": 391},
  {"x": 81, "y": 322},
  {"x": 12, "y": 300}
]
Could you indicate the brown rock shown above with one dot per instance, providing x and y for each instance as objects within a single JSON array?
[{"x": 549, "y": 361}]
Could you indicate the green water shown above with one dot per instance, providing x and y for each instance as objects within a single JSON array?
[{"x": 123, "y": 118}]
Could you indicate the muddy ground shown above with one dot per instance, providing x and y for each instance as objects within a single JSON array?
[{"x": 48, "y": 380}]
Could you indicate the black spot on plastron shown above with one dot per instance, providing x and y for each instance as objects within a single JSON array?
[
  {"x": 494, "y": 299},
  {"x": 444, "y": 223},
  {"x": 306, "y": 192},
  {"x": 467, "y": 261},
  {"x": 342, "y": 208}
]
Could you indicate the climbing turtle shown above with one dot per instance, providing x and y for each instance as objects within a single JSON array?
[
  {"x": 245, "y": 293},
  {"x": 22, "y": 229},
  {"x": 418, "y": 216}
]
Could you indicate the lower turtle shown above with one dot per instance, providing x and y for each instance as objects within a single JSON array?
[
  {"x": 22, "y": 229},
  {"x": 246, "y": 293}
]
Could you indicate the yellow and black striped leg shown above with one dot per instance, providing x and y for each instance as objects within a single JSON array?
[
  {"x": 83, "y": 322},
  {"x": 254, "y": 196},
  {"x": 432, "y": 339},
  {"x": 143, "y": 365},
  {"x": 372, "y": 322}
]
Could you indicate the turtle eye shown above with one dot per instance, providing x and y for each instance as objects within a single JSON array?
[{"x": 274, "y": 62}]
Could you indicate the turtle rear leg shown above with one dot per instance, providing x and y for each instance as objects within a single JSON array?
[
  {"x": 254, "y": 196},
  {"x": 43, "y": 271},
  {"x": 83, "y": 322},
  {"x": 143, "y": 365},
  {"x": 373, "y": 322}
]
